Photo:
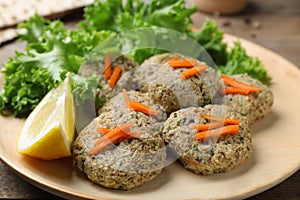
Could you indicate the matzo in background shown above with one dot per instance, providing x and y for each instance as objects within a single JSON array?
[{"x": 13, "y": 12}]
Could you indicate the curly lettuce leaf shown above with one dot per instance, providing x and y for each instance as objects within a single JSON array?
[
  {"x": 128, "y": 21},
  {"x": 2, "y": 102},
  {"x": 35, "y": 28},
  {"x": 132, "y": 14},
  {"x": 101, "y": 15},
  {"x": 24, "y": 86},
  {"x": 115, "y": 16},
  {"x": 171, "y": 14},
  {"x": 239, "y": 62},
  {"x": 83, "y": 88},
  {"x": 50, "y": 53},
  {"x": 211, "y": 39}
]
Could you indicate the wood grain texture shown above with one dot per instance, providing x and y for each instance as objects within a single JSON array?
[
  {"x": 13, "y": 187},
  {"x": 274, "y": 24}
]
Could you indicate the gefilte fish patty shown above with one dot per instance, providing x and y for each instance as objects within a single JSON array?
[
  {"x": 209, "y": 156},
  {"x": 253, "y": 106},
  {"x": 168, "y": 89},
  {"x": 128, "y": 164}
]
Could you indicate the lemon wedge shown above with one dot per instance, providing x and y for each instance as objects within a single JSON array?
[{"x": 48, "y": 132}]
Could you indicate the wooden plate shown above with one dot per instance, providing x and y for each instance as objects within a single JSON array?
[{"x": 276, "y": 153}]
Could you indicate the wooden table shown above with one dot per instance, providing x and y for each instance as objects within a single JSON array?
[{"x": 274, "y": 24}]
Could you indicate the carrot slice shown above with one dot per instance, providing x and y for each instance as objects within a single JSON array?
[
  {"x": 171, "y": 60},
  {"x": 225, "y": 120},
  {"x": 237, "y": 84},
  {"x": 119, "y": 130},
  {"x": 104, "y": 130},
  {"x": 99, "y": 147},
  {"x": 205, "y": 127},
  {"x": 193, "y": 71},
  {"x": 113, "y": 140},
  {"x": 136, "y": 106},
  {"x": 113, "y": 136},
  {"x": 233, "y": 90},
  {"x": 126, "y": 97},
  {"x": 226, "y": 130},
  {"x": 183, "y": 63},
  {"x": 129, "y": 135},
  {"x": 115, "y": 76},
  {"x": 107, "y": 65}
]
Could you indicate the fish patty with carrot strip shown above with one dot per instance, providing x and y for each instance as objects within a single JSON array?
[
  {"x": 208, "y": 140},
  {"x": 165, "y": 83},
  {"x": 254, "y": 105},
  {"x": 127, "y": 163},
  {"x": 174, "y": 89},
  {"x": 118, "y": 106},
  {"x": 138, "y": 78}
]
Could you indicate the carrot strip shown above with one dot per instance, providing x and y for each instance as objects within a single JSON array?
[
  {"x": 183, "y": 63},
  {"x": 104, "y": 130},
  {"x": 119, "y": 130},
  {"x": 225, "y": 120},
  {"x": 134, "y": 134},
  {"x": 171, "y": 60},
  {"x": 205, "y": 127},
  {"x": 136, "y": 106},
  {"x": 237, "y": 84},
  {"x": 113, "y": 140},
  {"x": 99, "y": 147},
  {"x": 233, "y": 90},
  {"x": 193, "y": 71},
  {"x": 126, "y": 97},
  {"x": 107, "y": 66},
  {"x": 130, "y": 134},
  {"x": 226, "y": 130},
  {"x": 115, "y": 76}
]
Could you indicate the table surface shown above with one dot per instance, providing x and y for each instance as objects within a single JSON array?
[{"x": 273, "y": 24}]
